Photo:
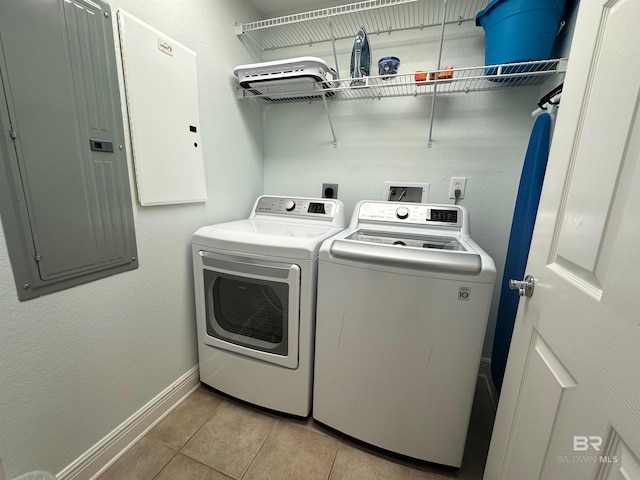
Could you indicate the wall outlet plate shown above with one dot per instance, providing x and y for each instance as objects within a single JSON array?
[
  {"x": 457, "y": 183},
  {"x": 329, "y": 190},
  {"x": 406, "y": 192}
]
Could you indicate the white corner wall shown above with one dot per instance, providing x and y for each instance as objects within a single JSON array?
[
  {"x": 482, "y": 136},
  {"x": 75, "y": 364}
]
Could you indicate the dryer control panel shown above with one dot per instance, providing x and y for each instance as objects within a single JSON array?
[
  {"x": 295, "y": 206},
  {"x": 414, "y": 214}
]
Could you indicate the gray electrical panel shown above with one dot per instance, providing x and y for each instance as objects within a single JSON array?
[{"x": 64, "y": 189}]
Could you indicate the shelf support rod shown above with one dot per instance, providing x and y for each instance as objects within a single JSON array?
[
  {"x": 326, "y": 109},
  {"x": 333, "y": 44},
  {"x": 433, "y": 108},
  {"x": 435, "y": 85},
  {"x": 444, "y": 22}
]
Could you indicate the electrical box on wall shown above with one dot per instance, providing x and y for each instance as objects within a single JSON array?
[
  {"x": 161, "y": 83},
  {"x": 329, "y": 190},
  {"x": 406, "y": 192},
  {"x": 64, "y": 184}
]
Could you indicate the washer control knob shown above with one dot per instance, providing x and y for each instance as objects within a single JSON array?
[
  {"x": 289, "y": 205},
  {"x": 402, "y": 213}
]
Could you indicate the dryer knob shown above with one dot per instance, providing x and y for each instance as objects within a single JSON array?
[
  {"x": 289, "y": 205},
  {"x": 402, "y": 213}
]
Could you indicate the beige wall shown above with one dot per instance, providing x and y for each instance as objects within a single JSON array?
[{"x": 75, "y": 364}]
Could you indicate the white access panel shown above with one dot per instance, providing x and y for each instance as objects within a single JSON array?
[{"x": 161, "y": 82}]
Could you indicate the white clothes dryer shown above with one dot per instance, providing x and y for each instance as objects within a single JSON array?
[
  {"x": 403, "y": 301},
  {"x": 255, "y": 291}
]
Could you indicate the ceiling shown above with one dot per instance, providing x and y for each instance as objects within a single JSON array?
[{"x": 276, "y": 8}]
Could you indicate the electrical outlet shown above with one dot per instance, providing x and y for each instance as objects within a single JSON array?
[
  {"x": 457, "y": 183},
  {"x": 329, "y": 190}
]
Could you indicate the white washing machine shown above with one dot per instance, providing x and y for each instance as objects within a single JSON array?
[
  {"x": 403, "y": 301},
  {"x": 255, "y": 290}
]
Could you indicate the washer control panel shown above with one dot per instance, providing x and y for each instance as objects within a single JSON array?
[
  {"x": 418, "y": 214},
  {"x": 308, "y": 207}
]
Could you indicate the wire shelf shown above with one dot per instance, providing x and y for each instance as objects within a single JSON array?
[
  {"x": 463, "y": 80},
  {"x": 377, "y": 16},
  {"x": 383, "y": 16}
]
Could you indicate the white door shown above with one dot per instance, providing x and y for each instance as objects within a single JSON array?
[{"x": 570, "y": 404}]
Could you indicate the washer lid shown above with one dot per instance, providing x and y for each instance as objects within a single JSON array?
[
  {"x": 407, "y": 249},
  {"x": 408, "y": 240},
  {"x": 418, "y": 259},
  {"x": 260, "y": 236}
]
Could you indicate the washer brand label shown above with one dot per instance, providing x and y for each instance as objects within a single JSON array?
[{"x": 464, "y": 293}]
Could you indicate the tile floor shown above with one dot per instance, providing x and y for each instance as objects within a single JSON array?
[{"x": 209, "y": 437}]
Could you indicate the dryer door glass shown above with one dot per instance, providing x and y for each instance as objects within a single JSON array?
[
  {"x": 247, "y": 312},
  {"x": 251, "y": 307}
]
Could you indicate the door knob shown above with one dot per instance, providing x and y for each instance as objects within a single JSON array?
[{"x": 525, "y": 287}]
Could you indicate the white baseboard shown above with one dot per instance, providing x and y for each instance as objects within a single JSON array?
[
  {"x": 104, "y": 453},
  {"x": 484, "y": 374}
]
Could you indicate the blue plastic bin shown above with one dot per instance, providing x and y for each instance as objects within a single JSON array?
[{"x": 520, "y": 30}]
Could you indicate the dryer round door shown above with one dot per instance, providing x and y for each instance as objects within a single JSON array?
[{"x": 252, "y": 307}]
